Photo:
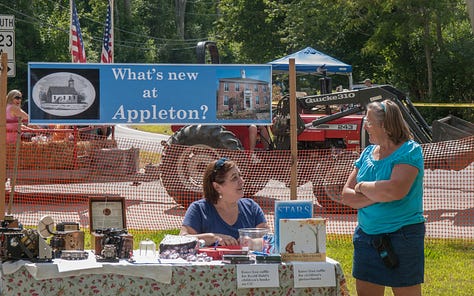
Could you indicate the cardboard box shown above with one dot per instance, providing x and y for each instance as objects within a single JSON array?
[{"x": 303, "y": 239}]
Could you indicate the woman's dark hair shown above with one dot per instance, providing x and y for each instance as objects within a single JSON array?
[
  {"x": 216, "y": 171},
  {"x": 388, "y": 114}
]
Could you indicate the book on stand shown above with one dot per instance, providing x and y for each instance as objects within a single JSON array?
[
  {"x": 290, "y": 209},
  {"x": 303, "y": 239}
]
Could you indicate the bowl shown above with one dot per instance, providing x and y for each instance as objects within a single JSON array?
[{"x": 252, "y": 238}]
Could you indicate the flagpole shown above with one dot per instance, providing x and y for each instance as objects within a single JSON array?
[
  {"x": 112, "y": 29},
  {"x": 70, "y": 25}
]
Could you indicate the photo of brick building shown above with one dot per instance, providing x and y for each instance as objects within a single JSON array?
[{"x": 243, "y": 98}]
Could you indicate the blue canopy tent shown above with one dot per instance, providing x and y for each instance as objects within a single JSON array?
[{"x": 310, "y": 61}]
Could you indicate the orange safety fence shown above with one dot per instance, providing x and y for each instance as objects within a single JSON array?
[{"x": 57, "y": 178}]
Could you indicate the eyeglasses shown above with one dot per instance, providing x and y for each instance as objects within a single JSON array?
[
  {"x": 18, "y": 98},
  {"x": 220, "y": 163}
]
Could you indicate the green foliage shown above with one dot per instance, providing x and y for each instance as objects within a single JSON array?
[
  {"x": 251, "y": 28},
  {"x": 422, "y": 47}
]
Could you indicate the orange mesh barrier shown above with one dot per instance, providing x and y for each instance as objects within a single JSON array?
[{"x": 57, "y": 178}]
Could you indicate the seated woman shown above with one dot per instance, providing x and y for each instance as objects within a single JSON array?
[{"x": 218, "y": 217}]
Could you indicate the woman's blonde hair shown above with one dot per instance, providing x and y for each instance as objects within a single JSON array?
[
  {"x": 389, "y": 115},
  {"x": 12, "y": 94}
]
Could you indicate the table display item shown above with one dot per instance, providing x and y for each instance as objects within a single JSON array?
[
  {"x": 217, "y": 252},
  {"x": 252, "y": 238},
  {"x": 290, "y": 209},
  {"x": 108, "y": 254},
  {"x": 238, "y": 259},
  {"x": 107, "y": 212},
  {"x": 176, "y": 246},
  {"x": 74, "y": 255},
  {"x": 65, "y": 236},
  {"x": 147, "y": 248},
  {"x": 303, "y": 239},
  {"x": 108, "y": 225},
  {"x": 18, "y": 243},
  {"x": 275, "y": 258},
  {"x": 120, "y": 239}
]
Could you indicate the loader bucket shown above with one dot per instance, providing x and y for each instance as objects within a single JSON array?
[{"x": 451, "y": 128}]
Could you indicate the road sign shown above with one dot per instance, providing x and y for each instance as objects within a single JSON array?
[
  {"x": 7, "y": 41},
  {"x": 11, "y": 71}
]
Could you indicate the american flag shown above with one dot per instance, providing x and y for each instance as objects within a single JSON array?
[
  {"x": 107, "y": 54},
  {"x": 75, "y": 38}
]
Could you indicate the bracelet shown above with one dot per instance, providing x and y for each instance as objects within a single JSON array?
[{"x": 357, "y": 187}]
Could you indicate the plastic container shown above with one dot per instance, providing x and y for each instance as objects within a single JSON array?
[
  {"x": 252, "y": 238},
  {"x": 147, "y": 248}
]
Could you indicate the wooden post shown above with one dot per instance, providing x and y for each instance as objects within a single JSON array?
[
  {"x": 293, "y": 131},
  {"x": 3, "y": 131}
]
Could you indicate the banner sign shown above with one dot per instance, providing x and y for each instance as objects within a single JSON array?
[{"x": 66, "y": 93}]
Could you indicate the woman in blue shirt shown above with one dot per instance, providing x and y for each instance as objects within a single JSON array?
[
  {"x": 386, "y": 186},
  {"x": 223, "y": 210}
]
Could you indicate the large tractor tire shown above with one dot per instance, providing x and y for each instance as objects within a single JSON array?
[
  {"x": 183, "y": 166},
  {"x": 329, "y": 188}
]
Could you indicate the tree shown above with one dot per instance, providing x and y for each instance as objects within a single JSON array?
[
  {"x": 180, "y": 9},
  {"x": 251, "y": 29},
  {"x": 423, "y": 47},
  {"x": 470, "y": 11}
]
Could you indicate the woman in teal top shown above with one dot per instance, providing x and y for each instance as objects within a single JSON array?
[{"x": 386, "y": 186}]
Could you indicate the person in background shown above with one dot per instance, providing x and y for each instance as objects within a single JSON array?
[
  {"x": 62, "y": 135},
  {"x": 13, "y": 114},
  {"x": 386, "y": 186},
  {"x": 254, "y": 131},
  {"x": 217, "y": 217},
  {"x": 368, "y": 82},
  {"x": 104, "y": 131}
]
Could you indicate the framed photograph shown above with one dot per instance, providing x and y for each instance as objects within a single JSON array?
[{"x": 107, "y": 212}]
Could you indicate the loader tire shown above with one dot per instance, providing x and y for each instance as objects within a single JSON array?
[
  {"x": 215, "y": 136},
  {"x": 183, "y": 166}
]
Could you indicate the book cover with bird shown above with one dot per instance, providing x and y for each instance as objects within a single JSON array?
[{"x": 303, "y": 239}]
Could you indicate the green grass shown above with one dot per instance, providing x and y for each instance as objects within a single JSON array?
[
  {"x": 149, "y": 157},
  {"x": 449, "y": 265},
  {"x": 157, "y": 129}
]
